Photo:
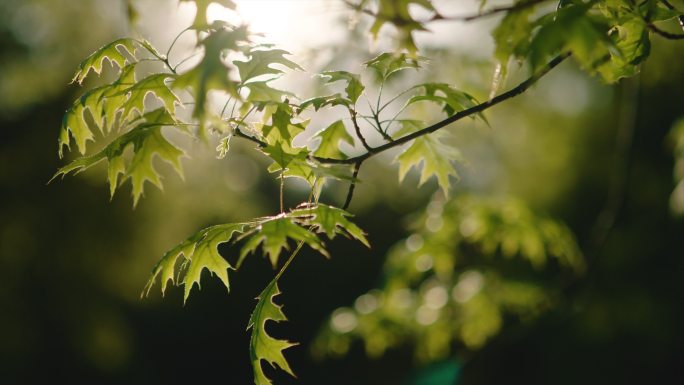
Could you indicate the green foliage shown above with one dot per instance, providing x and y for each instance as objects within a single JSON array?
[
  {"x": 608, "y": 38},
  {"x": 436, "y": 290}
]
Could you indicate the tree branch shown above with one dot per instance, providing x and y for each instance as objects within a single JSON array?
[
  {"x": 665, "y": 34},
  {"x": 352, "y": 185},
  {"x": 519, "y": 89},
  {"x": 464, "y": 18},
  {"x": 352, "y": 112}
]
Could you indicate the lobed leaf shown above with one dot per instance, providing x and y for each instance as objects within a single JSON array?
[
  {"x": 198, "y": 252},
  {"x": 329, "y": 220},
  {"x": 329, "y": 139},
  {"x": 260, "y": 61},
  {"x": 112, "y": 52},
  {"x": 273, "y": 235},
  {"x": 435, "y": 157},
  {"x": 147, "y": 141},
  {"x": 389, "y": 63},
  {"x": 354, "y": 87},
  {"x": 262, "y": 346}
]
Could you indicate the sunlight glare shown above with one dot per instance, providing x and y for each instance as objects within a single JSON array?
[{"x": 290, "y": 24}]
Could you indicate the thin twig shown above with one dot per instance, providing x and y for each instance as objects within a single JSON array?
[
  {"x": 464, "y": 18},
  {"x": 352, "y": 112},
  {"x": 519, "y": 89},
  {"x": 352, "y": 185},
  {"x": 665, "y": 34}
]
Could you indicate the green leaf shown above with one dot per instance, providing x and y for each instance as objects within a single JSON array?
[
  {"x": 329, "y": 220},
  {"x": 451, "y": 99},
  {"x": 112, "y": 52},
  {"x": 633, "y": 47},
  {"x": 435, "y": 156},
  {"x": 388, "y": 63},
  {"x": 260, "y": 61},
  {"x": 260, "y": 91},
  {"x": 354, "y": 87},
  {"x": 102, "y": 103},
  {"x": 283, "y": 154},
  {"x": 319, "y": 102},
  {"x": 261, "y": 345},
  {"x": 200, "y": 22},
  {"x": 197, "y": 253},
  {"x": 154, "y": 84},
  {"x": 274, "y": 235},
  {"x": 329, "y": 139},
  {"x": 572, "y": 29},
  {"x": 147, "y": 141},
  {"x": 211, "y": 73},
  {"x": 512, "y": 36},
  {"x": 397, "y": 13}
]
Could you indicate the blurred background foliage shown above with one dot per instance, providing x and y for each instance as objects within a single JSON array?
[{"x": 484, "y": 287}]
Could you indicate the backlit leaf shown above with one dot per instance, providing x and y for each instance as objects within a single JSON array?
[
  {"x": 114, "y": 52},
  {"x": 329, "y": 140},
  {"x": 261, "y": 345},
  {"x": 354, "y": 87},
  {"x": 196, "y": 253}
]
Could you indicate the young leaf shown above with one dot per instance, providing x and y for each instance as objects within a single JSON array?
[
  {"x": 111, "y": 52},
  {"x": 354, "y": 87},
  {"x": 319, "y": 102},
  {"x": 274, "y": 234},
  {"x": 397, "y": 13},
  {"x": 260, "y": 61},
  {"x": 388, "y": 63},
  {"x": 147, "y": 140},
  {"x": 260, "y": 91},
  {"x": 329, "y": 220},
  {"x": 197, "y": 253},
  {"x": 211, "y": 73},
  {"x": 261, "y": 345},
  {"x": 329, "y": 139},
  {"x": 435, "y": 156},
  {"x": 451, "y": 99},
  {"x": 200, "y": 22},
  {"x": 154, "y": 84}
]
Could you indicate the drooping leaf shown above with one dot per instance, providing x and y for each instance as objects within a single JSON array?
[
  {"x": 259, "y": 63},
  {"x": 354, "y": 87},
  {"x": 329, "y": 140},
  {"x": 198, "y": 252},
  {"x": 329, "y": 220},
  {"x": 319, "y": 102},
  {"x": 435, "y": 156},
  {"x": 396, "y": 12},
  {"x": 274, "y": 236},
  {"x": 156, "y": 85},
  {"x": 451, "y": 99},
  {"x": 261, "y": 345},
  {"x": 114, "y": 52},
  {"x": 389, "y": 63},
  {"x": 512, "y": 36},
  {"x": 211, "y": 73},
  {"x": 260, "y": 91},
  {"x": 200, "y": 22},
  {"x": 147, "y": 141},
  {"x": 571, "y": 29}
]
